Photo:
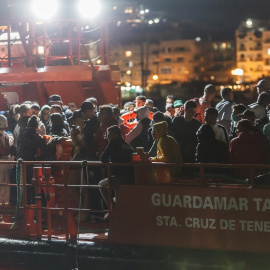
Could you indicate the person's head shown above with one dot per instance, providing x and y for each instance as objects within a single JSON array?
[
  {"x": 116, "y": 113},
  {"x": 243, "y": 125},
  {"x": 57, "y": 120},
  {"x": 25, "y": 110},
  {"x": 14, "y": 111},
  {"x": 140, "y": 101},
  {"x": 159, "y": 129},
  {"x": 262, "y": 86},
  {"x": 170, "y": 109},
  {"x": 77, "y": 119},
  {"x": 189, "y": 109},
  {"x": 210, "y": 116},
  {"x": 169, "y": 99},
  {"x": 3, "y": 124},
  {"x": 150, "y": 104},
  {"x": 35, "y": 108},
  {"x": 45, "y": 113},
  {"x": 129, "y": 106},
  {"x": 33, "y": 122},
  {"x": 105, "y": 112},
  {"x": 113, "y": 132},
  {"x": 93, "y": 101},
  {"x": 209, "y": 91},
  {"x": 178, "y": 105},
  {"x": 263, "y": 99},
  {"x": 158, "y": 117},
  {"x": 226, "y": 93},
  {"x": 248, "y": 115},
  {"x": 55, "y": 108},
  {"x": 237, "y": 109},
  {"x": 55, "y": 99},
  {"x": 88, "y": 110},
  {"x": 142, "y": 112}
]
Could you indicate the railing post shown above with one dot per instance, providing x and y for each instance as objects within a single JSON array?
[{"x": 110, "y": 189}]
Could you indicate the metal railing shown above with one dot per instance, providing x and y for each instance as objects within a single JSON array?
[{"x": 28, "y": 218}]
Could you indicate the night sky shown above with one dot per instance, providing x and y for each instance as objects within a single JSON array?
[
  {"x": 221, "y": 17},
  {"x": 212, "y": 10}
]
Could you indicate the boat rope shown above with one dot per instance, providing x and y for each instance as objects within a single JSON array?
[
  {"x": 19, "y": 181},
  {"x": 84, "y": 166}
]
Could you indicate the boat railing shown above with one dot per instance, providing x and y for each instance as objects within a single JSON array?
[{"x": 39, "y": 221}]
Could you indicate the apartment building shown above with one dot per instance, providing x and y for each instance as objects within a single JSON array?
[{"x": 253, "y": 49}]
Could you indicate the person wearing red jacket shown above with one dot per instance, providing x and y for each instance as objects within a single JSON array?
[{"x": 248, "y": 148}]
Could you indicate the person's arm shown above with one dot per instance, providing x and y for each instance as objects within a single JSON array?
[
  {"x": 106, "y": 154},
  {"x": 135, "y": 132}
]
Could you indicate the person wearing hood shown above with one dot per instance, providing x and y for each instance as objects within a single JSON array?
[
  {"x": 58, "y": 126},
  {"x": 45, "y": 117},
  {"x": 138, "y": 136},
  {"x": 31, "y": 147},
  {"x": 25, "y": 113},
  {"x": 167, "y": 151},
  {"x": 209, "y": 149}
]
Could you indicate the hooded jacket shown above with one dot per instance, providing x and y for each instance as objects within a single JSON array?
[
  {"x": 58, "y": 125},
  {"x": 167, "y": 148},
  {"x": 46, "y": 123},
  {"x": 209, "y": 149},
  {"x": 138, "y": 136}
]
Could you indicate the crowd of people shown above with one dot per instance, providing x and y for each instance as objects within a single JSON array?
[{"x": 185, "y": 132}]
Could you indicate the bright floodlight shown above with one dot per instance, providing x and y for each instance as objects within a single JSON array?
[
  {"x": 89, "y": 8},
  {"x": 249, "y": 23},
  {"x": 45, "y": 9}
]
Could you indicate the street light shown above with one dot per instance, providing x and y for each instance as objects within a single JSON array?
[{"x": 155, "y": 77}]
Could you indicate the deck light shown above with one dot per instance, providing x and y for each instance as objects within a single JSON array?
[
  {"x": 89, "y": 9},
  {"x": 45, "y": 9},
  {"x": 41, "y": 50}
]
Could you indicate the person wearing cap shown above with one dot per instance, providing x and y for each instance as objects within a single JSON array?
[
  {"x": 178, "y": 106},
  {"x": 206, "y": 99},
  {"x": 236, "y": 110},
  {"x": 56, "y": 100},
  {"x": 259, "y": 107},
  {"x": 87, "y": 136},
  {"x": 248, "y": 115},
  {"x": 262, "y": 86},
  {"x": 184, "y": 128},
  {"x": 77, "y": 119},
  {"x": 224, "y": 108}
]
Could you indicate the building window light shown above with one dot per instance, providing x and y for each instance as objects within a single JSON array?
[{"x": 128, "y": 53}]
